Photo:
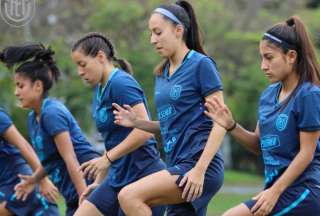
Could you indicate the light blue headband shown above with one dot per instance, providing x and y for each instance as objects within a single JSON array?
[
  {"x": 282, "y": 43},
  {"x": 168, "y": 14},
  {"x": 273, "y": 37}
]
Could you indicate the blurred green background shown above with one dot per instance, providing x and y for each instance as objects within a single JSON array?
[{"x": 232, "y": 30}]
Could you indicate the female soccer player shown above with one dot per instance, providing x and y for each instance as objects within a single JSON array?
[
  {"x": 15, "y": 151},
  {"x": 184, "y": 81},
  {"x": 288, "y": 129},
  {"x": 55, "y": 134},
  {"x": 130, "y": 153}
]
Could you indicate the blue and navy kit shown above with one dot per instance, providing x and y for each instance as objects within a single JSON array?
[
  {"x": 280, "y": 124},
  {"x": 185, "y": 128},
  {"x": 180, "y": 101},
  {"x": 12, "y": 164},
  {"x": 121, "y": 88},
  {"x": 5, "y": 148},
  {"x": 54, "y": 119}
]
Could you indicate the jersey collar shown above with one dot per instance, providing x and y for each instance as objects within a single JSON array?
[{"x": 185, "y": 59}]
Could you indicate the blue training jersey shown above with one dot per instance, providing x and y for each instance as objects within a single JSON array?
[
  {"x": 54, "y": 119},
  {"x": 280, "y": 124},
  {"x": 121, "y": 88},
  {"x": 7, "y": 151},
  {"x": 179, "y": 100},
  {"x": 6, "y": 148}
]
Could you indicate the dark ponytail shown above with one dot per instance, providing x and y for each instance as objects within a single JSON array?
[
  {"x": 124, "y": 64},
  {"x": 93, "y": 42},
  {"x": 36, "y": 62},
  {"x": 193, "y": 38},
  {"x": 295, "y": 37},
  {"x": 192, "y": 35}
]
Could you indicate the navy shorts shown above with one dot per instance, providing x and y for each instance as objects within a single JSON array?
[
  {"x": 105, "y": 197},
  {"x": 34, "y": 205},
  {"x": 212, "y": 183},
  {"x": 297, "y": 200}
]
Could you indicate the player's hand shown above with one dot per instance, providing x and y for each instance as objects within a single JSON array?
[
  {"x": 48, "y": 190},
  {"x": 87, "y": 192},
  {"x": 124, "y": 116},
  {"x": 25, "y": 187},
  {"x": 93, "y": 167},
  {"x": 219, "y": 113},
  {"x": 266, "y": 200},
  {"x": 192, "y": 184}
]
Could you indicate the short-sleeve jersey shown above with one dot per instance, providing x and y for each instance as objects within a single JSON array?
[
  {"x": 179, "y": 100},
  {"x": 5, "y": 123},
  {"x": 54, "y": 119},
  {"x": 7, "y": 150},
  {"x": 121, "y": 88},
  {"x": 280, "y": 124}
]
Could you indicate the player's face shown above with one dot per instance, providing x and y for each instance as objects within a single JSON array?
[
  {"x": 27, "y": 92},
  {"x": 164, "y": 35},
  {"x": 89, "y": 68},
  {"x": 276, "y": 65}
]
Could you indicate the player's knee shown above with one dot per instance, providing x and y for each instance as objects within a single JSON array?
[
  {"x": 4, "y": 211},
  {"x": 125, "y": 196},
  {"x": 240, "y": 210}
]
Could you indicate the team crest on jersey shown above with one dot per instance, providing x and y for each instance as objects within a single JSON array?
[
  {"x": 175, "y": 92},
  {"x": 281, "y": 122},
  {"x": 38, "y": 141},
  {"x": 103, "y": 116}
]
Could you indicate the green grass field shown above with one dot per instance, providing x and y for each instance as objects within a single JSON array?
[
  {"x": 241, "y": 178},
  {"x": 62, "y": 206},
  {"x": 223, "y": 200}
]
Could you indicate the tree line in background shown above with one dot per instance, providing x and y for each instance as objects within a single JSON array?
[{"x": 232, "y": 30}]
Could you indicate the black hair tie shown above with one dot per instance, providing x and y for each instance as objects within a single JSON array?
[{"x": 290, "y": 22}]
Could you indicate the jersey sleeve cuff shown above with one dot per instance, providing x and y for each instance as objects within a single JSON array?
[{"x": 212, "y": 90}]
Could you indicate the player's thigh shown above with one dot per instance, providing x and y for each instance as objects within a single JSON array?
[
  {"x": 155, "y": 189},
  {"x": 87, "y": 208}
]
